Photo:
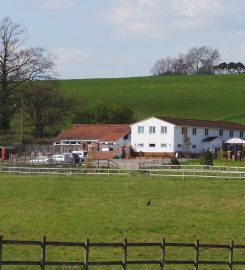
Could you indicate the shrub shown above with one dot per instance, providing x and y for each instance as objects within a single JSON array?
[
  {"x": 206, "y": 158},
  {"x": 174, "y": 161},
  {"x": 221, "y": 155}
]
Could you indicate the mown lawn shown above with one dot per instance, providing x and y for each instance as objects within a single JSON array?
[
  {"x": 201, "y": 97},
  {"x": 111, "y": 208}
]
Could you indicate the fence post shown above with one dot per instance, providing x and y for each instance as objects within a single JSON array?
[
  {"x": 43, "y": 253},
  {"x": 196, "y": 255},
  {"x": 162, "y": 261},
  {"x": 1, "y": 251},
  {"x": 125, "y": 254},
  {"x": 231, "y": 255},
  {"x": 86, "y": 254}
]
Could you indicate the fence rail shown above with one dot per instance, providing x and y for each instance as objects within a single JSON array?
[
  {"x": 87, "y": 246},
  {"x": 166, "y": 171}
]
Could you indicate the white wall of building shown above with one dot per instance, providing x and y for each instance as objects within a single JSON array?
[
  {"x": 152, "y": 140},
  {"x": 172, "y": 140}
]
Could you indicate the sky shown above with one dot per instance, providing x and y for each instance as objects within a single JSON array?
[{"x": 124, "y": 38}]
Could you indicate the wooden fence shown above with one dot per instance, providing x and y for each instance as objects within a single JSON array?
[
  {"x": 163, "y": 247},
  {"x": 165, "y": 172}
]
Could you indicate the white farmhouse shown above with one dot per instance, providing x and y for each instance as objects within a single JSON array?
[{"x": 166, "y": 135}]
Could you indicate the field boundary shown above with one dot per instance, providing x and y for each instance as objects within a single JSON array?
[
  {"x": 87, "y": 246},
  {"x": 166, "y": 171}
]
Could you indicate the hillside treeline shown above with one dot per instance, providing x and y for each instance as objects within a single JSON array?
[{"x": 197, "y": 61}]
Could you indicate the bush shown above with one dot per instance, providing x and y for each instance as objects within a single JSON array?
[
  {"x": 221, "y": 155},
  {"x": 174, "y": 161},
  {"x": 206, "y": 158}
]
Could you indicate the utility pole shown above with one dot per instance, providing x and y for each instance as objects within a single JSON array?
[{"x": 21, "y": 118}]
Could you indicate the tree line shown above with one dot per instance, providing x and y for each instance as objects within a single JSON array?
[
  {"x": 197, "y": 61},
  {"x": 29, "y": 90}
]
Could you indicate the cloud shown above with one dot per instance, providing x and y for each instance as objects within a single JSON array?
[
  {"x": 157, "y": 18},
  {"x": 57, "y": 5},
  {"x": 71, "y": 63}
]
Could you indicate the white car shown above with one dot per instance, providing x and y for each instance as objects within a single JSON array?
[
  {"x": 39, "y": 160},
  {"x": 58, "y": 159}
]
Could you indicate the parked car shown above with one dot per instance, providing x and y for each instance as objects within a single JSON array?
[
  {"x": 79, "y": 156},
  {"x": 67, "y": 155},
  {"x": 39, "y": 160},
  {"x": 57, "y": 159}
]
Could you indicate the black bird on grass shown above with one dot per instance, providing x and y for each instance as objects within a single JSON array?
[{"x": 148, "y": 203}]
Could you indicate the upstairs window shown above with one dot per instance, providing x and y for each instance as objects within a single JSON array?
[
  {"x": 206, "y": 131},
  {"x": 221, "y": 132},
  {"x": 241, "y": 134},
  {"x": 164, "y": 129},
  {"x": 194, "y": 131},
  {"x": 152, "y": 130},
  {"x": 141, "y": 130},
  {"x": 184, "y": 130},
  {"x": 231, "y": 133},
  {"x": 152, "y": 145}
]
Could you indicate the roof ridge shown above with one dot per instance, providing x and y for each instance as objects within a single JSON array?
[{"x": 194, "y": 119}]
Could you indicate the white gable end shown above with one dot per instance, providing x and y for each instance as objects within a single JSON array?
[{"x": 152, "y": 135}]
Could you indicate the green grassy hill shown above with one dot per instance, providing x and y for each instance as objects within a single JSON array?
[{"x": 202, "y": 97}]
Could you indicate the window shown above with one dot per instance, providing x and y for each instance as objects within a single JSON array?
[
  {"x": 231, "y": 133},
  {"x": 184, "y": 130},
  {"x": 140, "y": 130},
  {"x": 221, "y": 132},
  {"x": 194, "y": 131},
  {"x": 194, "y": 146},
  {"x": 206, "y": 131},
  {"x": 164, "y": 129},
  {"x": 152, "y": 130},
  {"x": 178, "y": 145},
  {"x": 140, "y": 145},
  {"x": 163, "y": 145},
  {"x": 152, "y": 145},
  {"x": 241, "y": 134}
]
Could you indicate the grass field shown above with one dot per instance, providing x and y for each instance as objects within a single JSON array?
[
  {"x": 202, "y": 97},
  {"x": 111, "y": 208}
]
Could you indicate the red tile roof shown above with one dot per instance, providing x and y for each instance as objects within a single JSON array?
[
  {"x": 203, "y": 123},
  {"x": 98, "y": 132}
]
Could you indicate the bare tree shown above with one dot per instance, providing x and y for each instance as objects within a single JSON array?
[
  {"x": 170, "y": 66},
  {"x": 162, "y": 67},
  {"x": 201, "y": 60},
  {"x": 18, "y": 65}
]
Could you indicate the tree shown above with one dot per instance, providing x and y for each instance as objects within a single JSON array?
[
  {"x": 45, "y": 107},
  {"x": 186, "y": 144},
  {"x": 198, "y": 60},
  {"x": 206, "y": 158},
  {"x": 102, "y": 113},
  {"x": 18, "y": 65},
  {"x": 201, "y": 60},
  {"x": 170, "y": 66},
  {"x": 230, "y": 68}
]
